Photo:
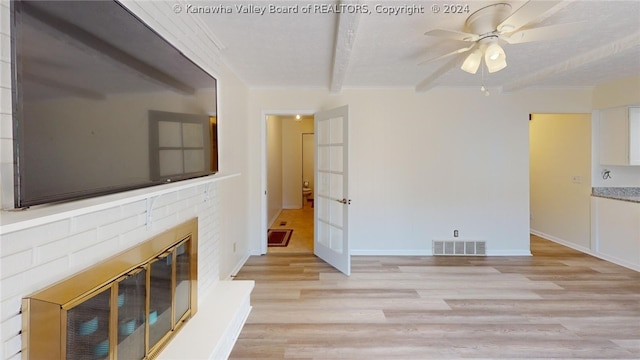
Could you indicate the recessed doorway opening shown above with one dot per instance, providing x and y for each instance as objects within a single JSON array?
[{"x": 290, "y": 158}]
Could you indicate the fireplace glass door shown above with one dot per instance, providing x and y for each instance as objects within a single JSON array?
[
  {"x": 88, "y": 328},
  {"x": 160, "y": 298},
  {"x": 183, "y": 282},
  {"x": 125, "y": 308},
  {"x": 131, "y": 302}
]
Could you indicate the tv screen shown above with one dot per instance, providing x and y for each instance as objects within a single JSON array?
[{"x": 103, "y": 104}]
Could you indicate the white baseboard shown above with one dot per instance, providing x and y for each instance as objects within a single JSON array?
[
  {"x": 615, "y": 260},
  {"x": 391, "y": 252},
  {"x": 274, "y": 219},
  {"x": 429, "y": 252},
  {"x": 255, "y": 253},
  {"x": 508, "y": 253},
  {"x": 586, "y": 250},
  {"x": 239, "y": 266},
  {"x": 561, "y": 241}
]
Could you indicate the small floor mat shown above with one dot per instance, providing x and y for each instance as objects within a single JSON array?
[{"x": 279, "y": 237}]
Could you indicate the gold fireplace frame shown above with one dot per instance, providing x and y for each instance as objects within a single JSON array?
[{"x": 44, "y": 313}]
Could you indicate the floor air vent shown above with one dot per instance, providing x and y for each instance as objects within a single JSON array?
[{"x": 459, "y": 248}]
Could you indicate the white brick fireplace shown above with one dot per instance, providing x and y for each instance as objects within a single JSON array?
[
  {"x": 43, "y": 249},
  {"x": 47, "y": 243}
]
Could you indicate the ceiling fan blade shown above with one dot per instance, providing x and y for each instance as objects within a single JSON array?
[
  {"x": 459, "y": 51},
  {"x": 527, "y": 13},
  {"x": 542, "y": 33},
  {"x": 452, "y": 34}
]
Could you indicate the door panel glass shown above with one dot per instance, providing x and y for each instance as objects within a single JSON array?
[
  {"x": 323, "y": 233},
  {"x": 336, "y": 213},
  {"x": 323, "y": 184},
  {"x": 322, "y": 208},
  {"x": 323, "y": 132},
  {"x": 335, "y": 188},
  {"x": 324, "y": 160},
  {"x": 336, "y": 130},
  {"x": 336, "y": 239},
  {"x": 335, "y": 162}
]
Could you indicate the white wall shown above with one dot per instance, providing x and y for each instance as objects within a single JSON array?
[
  {"x": 424, "y": 164},
  {"x": 560, "y": 150},
  {"x": 47, "y": 243},
  {"x": 6, "y": 127},
  {"x": 617, "y": 93},
  {"x": 274, "y": 168}
]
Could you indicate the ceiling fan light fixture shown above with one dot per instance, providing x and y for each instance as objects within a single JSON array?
[
  {"x": 472, "y": 62},
  {"x": 495, "y": 58}
]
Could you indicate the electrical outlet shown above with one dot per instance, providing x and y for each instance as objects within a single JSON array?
[
  {"x": 576, "y": 179},
  {"x": 455, "y": 233}
]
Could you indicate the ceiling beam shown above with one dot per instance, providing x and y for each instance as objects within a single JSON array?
[
  {"x": 603, "y": 52},
  {"x": 430, "y": 82},
  {"x": 70, "y": 89},
  {"x": 345, "y": 37}
]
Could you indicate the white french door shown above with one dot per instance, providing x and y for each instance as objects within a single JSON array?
[{"x": 331, "y": 235}]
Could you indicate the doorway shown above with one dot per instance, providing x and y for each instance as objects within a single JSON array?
[
  {"x": 560, "y": 178},
  {"x": 290, "y": 181},
  {"x": 331, "y": 198}
]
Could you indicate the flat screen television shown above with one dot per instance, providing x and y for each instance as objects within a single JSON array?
[{"x": 103, "y": 104}]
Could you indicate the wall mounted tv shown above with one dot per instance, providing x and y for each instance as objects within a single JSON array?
[{"x": 103, "y": 104}]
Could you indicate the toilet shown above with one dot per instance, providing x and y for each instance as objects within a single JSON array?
[{"x": 307, "y": 191}]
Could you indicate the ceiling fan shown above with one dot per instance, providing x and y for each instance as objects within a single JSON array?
[{"x": 496, "y": 24}]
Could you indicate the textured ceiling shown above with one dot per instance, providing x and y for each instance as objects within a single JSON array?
[{"x": 347, "y": 50}]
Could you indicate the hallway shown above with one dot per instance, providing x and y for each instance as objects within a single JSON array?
[{"x": 301, "y": 221}]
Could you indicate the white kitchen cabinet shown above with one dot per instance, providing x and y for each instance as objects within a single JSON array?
[
  {"x": 617, "y": 230},
  {"x": 619, "y": 135},
  {"x": 634, "y": 135}
]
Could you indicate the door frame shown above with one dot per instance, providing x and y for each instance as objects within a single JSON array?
[
  {"x": 313, "y": 135},
  {"x": 264, "y": 227}
]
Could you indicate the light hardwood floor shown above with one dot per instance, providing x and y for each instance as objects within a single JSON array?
[
  {"x": 301, "y": 221},
  {"x": 557, "y": 304}
]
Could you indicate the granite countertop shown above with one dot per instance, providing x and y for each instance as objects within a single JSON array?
[{"x": 631, "y": 194}]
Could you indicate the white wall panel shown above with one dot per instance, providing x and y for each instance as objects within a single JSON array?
[{"x": 425, "y": 164}]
